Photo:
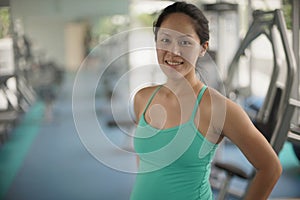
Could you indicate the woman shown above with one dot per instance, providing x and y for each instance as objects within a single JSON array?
[{"x": 182, "y": 121}]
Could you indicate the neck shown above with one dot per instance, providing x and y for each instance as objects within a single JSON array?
[{"x": 184, "y": 85}]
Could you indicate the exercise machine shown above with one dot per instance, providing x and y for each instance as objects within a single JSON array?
[{"x": 274, "y": 116}]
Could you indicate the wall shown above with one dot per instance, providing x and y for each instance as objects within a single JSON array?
[{"x": 44, "y": 21}]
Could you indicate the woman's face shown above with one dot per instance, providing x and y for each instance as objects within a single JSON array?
[{"x": 178, "y": 45}]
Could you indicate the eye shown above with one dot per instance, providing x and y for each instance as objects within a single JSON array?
[
  {"x": 185, "y": 43},
  {"x": 165, "y": 40}
]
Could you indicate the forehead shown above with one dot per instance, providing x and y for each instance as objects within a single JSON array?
[{"x": 180, "y": 23}]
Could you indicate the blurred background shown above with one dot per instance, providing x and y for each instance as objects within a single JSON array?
[{"x": 69, "y": 70}]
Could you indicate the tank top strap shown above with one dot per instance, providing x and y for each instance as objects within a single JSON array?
[
  {"x": 152, "y": 96},
  {"x": 198, "y": 101}
]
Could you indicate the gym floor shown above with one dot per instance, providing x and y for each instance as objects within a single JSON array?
[{"x": 44, "y": 158}]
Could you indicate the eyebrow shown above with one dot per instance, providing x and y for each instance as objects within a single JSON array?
[
  {"x": 186, "y": 35},
  {"x": 183, "y": 35},
  {"x": 165, "y": 33}
]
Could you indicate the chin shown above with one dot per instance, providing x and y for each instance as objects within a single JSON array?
[{"x": 172, "y": 73}]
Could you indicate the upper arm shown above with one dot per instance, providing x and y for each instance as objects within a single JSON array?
[
  {"x": 241, "y": 131},
  {"x": 136, "y": 105}
]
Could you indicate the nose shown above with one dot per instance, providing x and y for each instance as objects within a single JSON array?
[{"x": 175, "y": 49}]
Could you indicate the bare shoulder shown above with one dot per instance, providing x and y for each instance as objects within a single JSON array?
[
  {"x": 213, "y": 100},
  {"x": 216, "y": 100},
  {"x": 144, "y": 94},
  {"x": 213, "y": 93},
  {"x": 141, "y": 98},
  {"x": 213, "y": 114},
  {"x": 237, "y": 125},
  {"x": 229, "y": 118}
]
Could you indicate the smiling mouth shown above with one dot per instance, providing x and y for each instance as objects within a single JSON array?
[{"x": 173, "y": 63}]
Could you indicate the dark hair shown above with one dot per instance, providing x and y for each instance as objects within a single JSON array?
[{"x": 199, "y": 20}]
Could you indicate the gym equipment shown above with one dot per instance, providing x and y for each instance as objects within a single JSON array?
[{"x": 274, "y": 116}]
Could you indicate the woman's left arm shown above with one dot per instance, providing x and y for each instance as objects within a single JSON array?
[{"x": 241, "y": 131}]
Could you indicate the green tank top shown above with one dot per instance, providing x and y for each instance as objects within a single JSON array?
[{"x": 174, "y": 162}]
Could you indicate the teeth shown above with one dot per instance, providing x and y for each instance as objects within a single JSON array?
[{"x": 174, "y": 63}]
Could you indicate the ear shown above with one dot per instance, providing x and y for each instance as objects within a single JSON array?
[{"x": 204, "y": 47}]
